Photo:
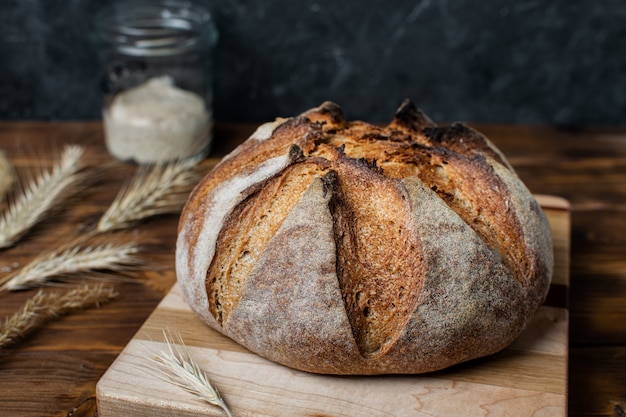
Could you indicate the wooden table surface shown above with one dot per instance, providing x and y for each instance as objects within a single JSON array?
[{"x": 54, "y": 371}]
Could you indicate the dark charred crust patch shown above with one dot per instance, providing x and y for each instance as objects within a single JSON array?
[
  {"x": 412, "y": 118},
  {"x": 370, "y": 164},
  {"x": 462, "y": 139},
  {"x": 329, "y": 115},
  {"x": 329, "y": 182},
  {"x": 445, "y": 134},
  {"x": 371, "y": 136},
  {"x": 293, "y": 122},
  {"x": 295, "y": 154},
  {"x": 332, "y": 110}
]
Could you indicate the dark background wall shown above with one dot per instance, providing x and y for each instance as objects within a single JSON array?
[{"x": 524, "y": 61}]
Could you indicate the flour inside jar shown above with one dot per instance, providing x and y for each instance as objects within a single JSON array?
[{"x": 157, "y": 122}]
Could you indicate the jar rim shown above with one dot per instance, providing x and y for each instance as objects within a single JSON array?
[{"x": 155, "y": 28}]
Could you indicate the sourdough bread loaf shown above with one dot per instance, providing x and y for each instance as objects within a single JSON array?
[{"x": 348, "y": 248}]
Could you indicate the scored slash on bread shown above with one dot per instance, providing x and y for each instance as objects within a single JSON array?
[{"x": 348, "y": 248}]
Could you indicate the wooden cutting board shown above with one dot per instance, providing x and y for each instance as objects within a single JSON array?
[{"x": 529, "y": 378}]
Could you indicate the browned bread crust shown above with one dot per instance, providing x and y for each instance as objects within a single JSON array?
[{"x": 347, "y": 248}]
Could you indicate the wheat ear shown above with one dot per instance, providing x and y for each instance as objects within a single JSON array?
[
  {"x": 7, "y": 175},
  {"x": 72, "y": 260},
  {"x": 155, "y": 190},
  {"x": 39, "y": 196},
  {"x": 182, "y": 370},
  {"x": 44, "y": 306}
]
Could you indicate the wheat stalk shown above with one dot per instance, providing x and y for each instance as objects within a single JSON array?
[
  {"x": 182, "y": 370},
  {"x": 160, "y": 189},
  {"x": 7, "y": 175},
  {"x": 44, "y": 306},
  {"x": 71, "y": 260},
  {"x": 39, "y": 196},
  {"x": 157, "y": 190}
]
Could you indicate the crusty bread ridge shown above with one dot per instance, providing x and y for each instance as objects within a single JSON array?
[{"x": 347, "y": 248}]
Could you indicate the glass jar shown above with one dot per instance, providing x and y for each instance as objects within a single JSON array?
[{"x": 158, "y": 79}]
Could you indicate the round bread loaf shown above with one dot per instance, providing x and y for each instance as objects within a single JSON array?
[{"x": 349, "y": 248}]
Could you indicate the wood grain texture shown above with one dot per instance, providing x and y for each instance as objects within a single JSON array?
[
  {"x": 55, "y": 370},
  {"x": 585, "y": 166}
]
